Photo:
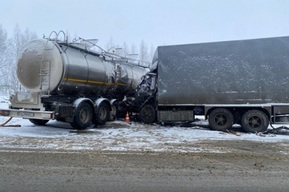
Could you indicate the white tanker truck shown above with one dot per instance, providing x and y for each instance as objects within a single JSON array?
[{"x": 68, "y": 81}]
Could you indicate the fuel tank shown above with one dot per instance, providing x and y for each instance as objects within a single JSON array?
[{"x": 72, "y": 69}]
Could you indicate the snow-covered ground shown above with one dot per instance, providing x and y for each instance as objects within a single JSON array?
[{"x": 117, "y": 136}]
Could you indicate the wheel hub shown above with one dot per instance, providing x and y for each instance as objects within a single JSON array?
[{"x": 220, "y": 119}]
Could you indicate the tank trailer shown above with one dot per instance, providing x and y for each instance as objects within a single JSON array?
[{"x": 71, "y": 82}]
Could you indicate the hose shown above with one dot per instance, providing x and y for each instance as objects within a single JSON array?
[{"x": 4, "y": 124}]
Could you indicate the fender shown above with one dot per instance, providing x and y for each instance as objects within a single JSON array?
[
  {"x": 112, "y": 101},
  {"x": 100, "y": 100},
  {"x": 80, "y": 100}
]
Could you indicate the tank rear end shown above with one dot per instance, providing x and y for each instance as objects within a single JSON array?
[{"x": 40, "y": 66}]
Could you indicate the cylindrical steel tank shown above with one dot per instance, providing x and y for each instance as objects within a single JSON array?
[{"x": 63, "y": 68}]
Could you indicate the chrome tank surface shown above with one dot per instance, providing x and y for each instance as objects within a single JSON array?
[{"x": 71, "y": 69}]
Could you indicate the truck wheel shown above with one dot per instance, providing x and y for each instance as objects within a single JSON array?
[
  {"x": 102, "y": 113},
  {"x": 112, "y": 113},
  {"x": 221, "y": 119},
  {"x": 38, "y": 121},
  {"x": 82, "y": 116},
  {"x": 147, "y": 114},
  {"x": 255, "y": 121}
]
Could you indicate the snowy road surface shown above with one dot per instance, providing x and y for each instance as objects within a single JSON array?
[
  {"x": 67, "y": 170},
  {"x": 137, "y": 157},
  {"x": 118, "y": 136}
]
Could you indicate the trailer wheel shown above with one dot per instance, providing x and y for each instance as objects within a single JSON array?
[
  {"x": 147, "y": 114},
  {"x": 112, "y": 114},
  {"x": 221, "y": 119},
  {"x": 102, "y": 114},
  {"x": 255, "y": 121},
  {"x": 38, "y": 121},
  {"x": 82, "y": 116}
]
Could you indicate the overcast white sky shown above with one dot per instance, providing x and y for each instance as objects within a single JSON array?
[{"x": 157, "y": 22}]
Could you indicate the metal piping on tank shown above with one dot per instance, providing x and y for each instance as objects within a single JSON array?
[
  {"x": 90, "y": 71},
  {"x": 65, "y": 38}
]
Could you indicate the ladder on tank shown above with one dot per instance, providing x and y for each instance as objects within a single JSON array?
[{"x": 45, "y": 66}]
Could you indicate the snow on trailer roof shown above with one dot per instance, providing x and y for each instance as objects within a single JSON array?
[{"x": 225, "y": 41}]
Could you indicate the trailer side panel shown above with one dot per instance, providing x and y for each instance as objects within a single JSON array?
[{"x": 233, "y": 72}]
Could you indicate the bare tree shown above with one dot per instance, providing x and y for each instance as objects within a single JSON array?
[
  {"x": 3, "y": 44},
  {"x": 133, "y": 49},
  {"x": 3, "y": 61},
  {"x": 125, "y": 50},
  {"x": 151, "y": 53},
  {"x": 110, "y": 44},
  {"x": 143, "y": 54}
]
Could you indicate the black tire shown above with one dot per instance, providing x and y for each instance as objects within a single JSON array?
[
  {"x": 102, "y": 114},
  {"x": 254, "y": 121},
  {"x": 82, "y": 116},
  {"x": 112, "y": 114},
  {"x": 221, "y": 119},
  {"x": 147, "y": 114},
  {"x": 38, "y": 121}
]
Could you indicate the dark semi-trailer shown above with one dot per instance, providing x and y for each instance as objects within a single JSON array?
[{"x": 242, "y": 82}]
